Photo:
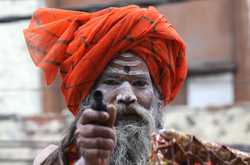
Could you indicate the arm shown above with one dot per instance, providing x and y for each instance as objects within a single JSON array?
[
  {"x": 44, "y": 154},
  {"x": 91, "y": 134},
  {"x": 172, "y": 146},
  {"x": 95, "y": 135}
]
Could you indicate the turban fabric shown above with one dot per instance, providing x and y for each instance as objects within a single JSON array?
[{"x": 80, "y": 45}]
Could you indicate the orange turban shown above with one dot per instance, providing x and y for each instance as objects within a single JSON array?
[{"x": 81, "y": 45}]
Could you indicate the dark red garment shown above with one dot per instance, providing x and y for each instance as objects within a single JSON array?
[{"x": 81, "y": 44}]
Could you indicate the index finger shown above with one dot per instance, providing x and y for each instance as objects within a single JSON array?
[{"x": 91, "y": 116}]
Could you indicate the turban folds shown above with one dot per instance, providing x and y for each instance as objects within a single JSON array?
[{"x": 80, "y": 45}]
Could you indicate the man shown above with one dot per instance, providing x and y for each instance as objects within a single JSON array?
[
  {"x": 126, "y": 83},
  {"x": 132, "y": 55}
]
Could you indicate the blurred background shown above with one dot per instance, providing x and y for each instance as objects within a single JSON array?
[{"x": 214, "y": 104}]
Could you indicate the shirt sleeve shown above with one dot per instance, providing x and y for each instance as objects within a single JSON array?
[{"x": 43, "y": 154}]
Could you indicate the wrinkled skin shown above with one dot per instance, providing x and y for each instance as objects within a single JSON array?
[{"x": 125, "y": 81}]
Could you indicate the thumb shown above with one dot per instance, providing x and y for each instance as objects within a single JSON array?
[{"x": 111, "y": 109}]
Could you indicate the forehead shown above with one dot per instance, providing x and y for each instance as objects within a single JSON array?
[{"x": 128, "y": 64}]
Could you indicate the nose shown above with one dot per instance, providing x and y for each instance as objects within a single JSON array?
[{"x": 125, "y": 94}]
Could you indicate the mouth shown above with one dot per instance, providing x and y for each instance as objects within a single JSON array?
[
  {"x": 128, "y": 119},
  {"x": 128, "y": 115}
]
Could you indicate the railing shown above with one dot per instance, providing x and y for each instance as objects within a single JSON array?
[{"x": 20, "y": 151}]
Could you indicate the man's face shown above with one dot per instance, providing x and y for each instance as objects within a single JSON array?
[
  {"x": 127, "y": 80},
  {"x": 126, "y": 83}
]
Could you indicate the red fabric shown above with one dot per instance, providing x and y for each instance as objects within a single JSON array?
[
  {"x": 81, "y": 44},
  {"x": 206, "y": 163}
]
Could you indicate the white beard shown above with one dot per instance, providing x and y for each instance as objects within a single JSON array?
[{"x": 133, "y": 136}]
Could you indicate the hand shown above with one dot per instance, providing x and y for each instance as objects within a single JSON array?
[{"x": 95, "y": 135}]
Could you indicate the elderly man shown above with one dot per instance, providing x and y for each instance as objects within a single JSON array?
[{"x": 132, "y": 55}]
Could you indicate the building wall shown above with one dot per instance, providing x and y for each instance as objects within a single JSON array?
[
  {"x": 28, "y": 135},
  {"x": 216, "y": 37},
  {"x": 242, "y": 58},
  {"x": 20, "y": 87},
  {"x": 75, "y": 3},
  {"x": 208, "y": 29}
]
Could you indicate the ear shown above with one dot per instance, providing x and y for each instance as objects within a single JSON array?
[
  {"x": 161, "y": 105},
  {"x": 159, "y": 114},
  {"x": 159, "y": 99}
]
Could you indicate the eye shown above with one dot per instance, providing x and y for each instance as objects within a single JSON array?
[
  {"x": 140, "y": 83},
  {"x": 111, "y": 82}
]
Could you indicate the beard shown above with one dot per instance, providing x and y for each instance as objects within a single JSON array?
[{"x": 134, "y": 126}]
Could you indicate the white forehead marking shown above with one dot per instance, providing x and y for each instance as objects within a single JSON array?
[
  {"x": 126, "y": 55},
  {"x": 127, "y": 63},
  {"x": 127, "y": 59},
  {"x": 120, "y": 71},
  {"x": 124, "y": 60}
]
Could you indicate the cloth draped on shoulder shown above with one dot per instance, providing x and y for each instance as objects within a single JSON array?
[{"x": 80, "y": 45}]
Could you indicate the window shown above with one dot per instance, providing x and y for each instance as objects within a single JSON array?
[{"x": 214, "y": 90}]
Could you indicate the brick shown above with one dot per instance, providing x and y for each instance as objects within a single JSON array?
[
  {"x": 74, "y": 3},
  {"x": 242, "y": 80},
  {"x": 209, "y": 36}
]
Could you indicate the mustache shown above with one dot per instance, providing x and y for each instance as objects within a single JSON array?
[
  {"x": 134, "y": 127},
  {"x": 135, "y": 112}
]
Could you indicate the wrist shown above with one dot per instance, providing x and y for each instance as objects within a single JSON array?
[{"x": 72, "y": 153}]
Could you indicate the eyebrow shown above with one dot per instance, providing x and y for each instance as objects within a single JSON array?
[{"x": 143, "y": 75}]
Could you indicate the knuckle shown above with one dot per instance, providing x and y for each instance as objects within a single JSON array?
[
  {"x": 106, "y": 144},
  {"x": 87, "y": 111},
  {"x": 111, "y": 133},
  {"x": 80, "y": 141},
  {"x": 103, "y": 115},
  {"x": 100, "y": 116},
  {"x": 99, "y": 153},
  {"x": 80, "y": 130},
  {"x": 111, "y": 143},
  {"x": 77, "y": 135},
  {"x": 102, "y": 153},
  {"x": 85, "y": 114},
  {"x": 83, "y": 152},
  {"x": 91, "y": 129},
  {"x": 98, "y": 142},
  {"x": 89, "y": 154}
]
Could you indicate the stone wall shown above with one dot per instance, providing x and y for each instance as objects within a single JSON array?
[
  {"x": 22, "y": 137},
  {"x": 225, "y": 125}
]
